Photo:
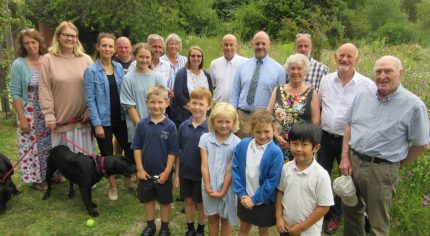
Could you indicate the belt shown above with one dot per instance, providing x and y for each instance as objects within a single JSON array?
[
  {"x": 247, "y": 112},
  {"x": 367, "y": 158},
  {"x": 332, "y": 135}
]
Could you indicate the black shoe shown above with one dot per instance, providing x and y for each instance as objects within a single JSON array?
[
  {"x": 165, "y": 232},
  {"x": 190, "y": 233},
  {"x": 148, "y": 231}
]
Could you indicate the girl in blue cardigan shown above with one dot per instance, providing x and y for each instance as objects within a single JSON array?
[{"x": 256, "y": 171}]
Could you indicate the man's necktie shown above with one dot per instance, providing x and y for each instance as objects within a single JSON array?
[{"x": 254, "y": 82}]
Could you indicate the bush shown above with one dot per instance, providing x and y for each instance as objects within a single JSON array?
[{"x": 396, "y": 33}]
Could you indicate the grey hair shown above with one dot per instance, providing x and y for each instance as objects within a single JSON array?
[
  {"x": 300, "y": 59},
  {"x": 153, "y": 37},
  {"x": 174, "y": 37}
]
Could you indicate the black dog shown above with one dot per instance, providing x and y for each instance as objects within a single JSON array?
[
  {"x": 7, "y": 187},
  {"x": 82, "y": 170}
]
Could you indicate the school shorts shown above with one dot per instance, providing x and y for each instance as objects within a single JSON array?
[
  {"x": 148, "y": 191},
  {"x": 192, "y": 189}
]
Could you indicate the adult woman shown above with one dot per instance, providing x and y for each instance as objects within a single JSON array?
[
  {"x": 293, "y": 101},
  {"x": 103, "y": 81},
  {"x": 24, "y": 88},
  {"x": 61, "y": 89},
  {"x": 173, "y": 47},
  {"x": 188, "y": 78}
]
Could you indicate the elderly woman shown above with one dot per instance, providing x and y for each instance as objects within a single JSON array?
[
  {"x": 173, "y": 47},
  {"x": 62, "y": 95},
  {"x": 293, "y": 101},
  {"x": 187, "y": 79},
  {"x": 24, "y": 88}
]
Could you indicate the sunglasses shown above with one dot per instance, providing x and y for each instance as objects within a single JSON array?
[{"x": 303, "y": 35}]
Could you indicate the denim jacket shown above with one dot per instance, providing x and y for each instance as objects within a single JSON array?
[{"x": 97, "y": 92}]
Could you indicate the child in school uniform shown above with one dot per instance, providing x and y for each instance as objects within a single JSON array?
[
  {"x": 216, "y": 150},
  {"x": 304, "y": 193},
  {"x": 155, "y": 146},
  {"x": 256, "y": 171},
  {"x": 188, "y": 175}
]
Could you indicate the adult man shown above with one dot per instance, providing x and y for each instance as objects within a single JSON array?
[
  {"x": 223, "y": 69},
  {"x": 336, "y": 92},
  {"x": 156, "y": 44},
  {"x": 303, "y": 45},
  {"x": 387, "y": 128},
  {"x": 123, "y": 53},
  {"x": 255, "y": 81}
]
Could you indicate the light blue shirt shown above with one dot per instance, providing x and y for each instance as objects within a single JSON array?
[
  {"x": 133, "y": 94},
  {"x": 385, "y": 128},
  {"x": 272, "y": 74}
]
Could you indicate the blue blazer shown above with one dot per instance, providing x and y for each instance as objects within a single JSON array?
[
  {"x": 97, "y": 92},
  {"x": 182, "y": 95},
  {"x": 270, "y": 172}
]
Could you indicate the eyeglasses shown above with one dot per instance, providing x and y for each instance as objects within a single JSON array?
[
  {"x": 72, "y": 36},
  {"x": 23, "y": 31},
  {"x": 303, "y": 35},
  {"x": 194, "y": 56}
]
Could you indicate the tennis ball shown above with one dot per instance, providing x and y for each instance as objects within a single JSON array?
[{"x": 90, "y": 222}]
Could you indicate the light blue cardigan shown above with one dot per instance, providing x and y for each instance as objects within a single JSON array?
[{"x": 21, "y": 74}]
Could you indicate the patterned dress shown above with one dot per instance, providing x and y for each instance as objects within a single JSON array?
[
  {"x": 33, "y": 166},
  {"x": 289, "y": 109}
]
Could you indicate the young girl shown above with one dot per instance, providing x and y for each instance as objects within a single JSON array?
[
  {"x": 256, "y": 171},
  {"x": 136, "y": 85},
  {"x": 102, "y": 82},
  {"x": 216, "y": 150}
]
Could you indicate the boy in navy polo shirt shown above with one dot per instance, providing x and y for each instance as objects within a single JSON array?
[
  {"x": 155, "y": 146},
  {"x": 189, "y": 176}
]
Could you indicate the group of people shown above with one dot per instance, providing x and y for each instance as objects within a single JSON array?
[{"x": 264, "y": 154}]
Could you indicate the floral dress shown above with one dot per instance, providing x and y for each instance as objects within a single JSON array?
[
  {"x": 289, "y": 109},
  {"x": 33, "y": 166}
]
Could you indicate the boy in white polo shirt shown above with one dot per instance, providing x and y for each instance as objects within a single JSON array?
[{"x": 304, "y": 193}]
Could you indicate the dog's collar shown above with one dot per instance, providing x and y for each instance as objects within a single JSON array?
[{"x": 102, "y": 168}]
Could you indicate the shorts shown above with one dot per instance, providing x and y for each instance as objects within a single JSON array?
[
  {"x": 192, "y": 189},
  {"x": 260, "y": 215},
  {"x": 148, "y": 191}
]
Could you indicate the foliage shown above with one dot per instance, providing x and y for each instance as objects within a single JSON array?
[{"x": 396, "y": 33}]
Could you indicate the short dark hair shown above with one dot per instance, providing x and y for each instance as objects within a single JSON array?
[{"x": 304, "y": 130}]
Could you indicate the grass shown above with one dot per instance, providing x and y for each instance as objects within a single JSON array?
[{"x": 27, "y": 214}]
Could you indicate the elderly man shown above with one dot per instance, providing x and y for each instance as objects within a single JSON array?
[
  {"x": 123, "y": 53},
  {"x": 336, "y": 93},
  {"x": 303, "y": 45},
  {"x": 255, "y": 81},
  {"x": 156, "y": 45},
  {"x": 223, "y": 69},
  {"x": 387, "y": 128}
]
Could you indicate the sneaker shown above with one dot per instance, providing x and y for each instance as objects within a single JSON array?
[
  {"x": 164, "y": 232},
  {"x": 190, "y": 232},
  {"x": 148, "y": 231},
  {"x": 113, "y": 194},
  {"x": 332, "y": 224}
]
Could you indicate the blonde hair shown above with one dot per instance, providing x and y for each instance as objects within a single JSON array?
[
  {"x": 55, "y": 49},
  {"x": 225, "y": 108},
  {"x": 158, "y": 90},
  {"x": 202, "y": 93}
]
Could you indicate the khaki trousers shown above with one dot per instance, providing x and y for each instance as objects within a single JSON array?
[{"x": 376, "y": 186}]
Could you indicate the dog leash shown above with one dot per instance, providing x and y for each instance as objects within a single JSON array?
[{"x": 70, "y": 121}]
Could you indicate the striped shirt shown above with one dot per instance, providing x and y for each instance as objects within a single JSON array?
[
  {"x": 174, "y": 68},
  {"x": 316, "y": 72}
]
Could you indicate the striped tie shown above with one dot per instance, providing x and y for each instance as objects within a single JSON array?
[{"x": 254, "y": 82}]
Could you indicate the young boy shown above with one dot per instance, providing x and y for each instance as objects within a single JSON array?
[
  {"x": 155, "y": 146},
  {"x": 304, "y": 193},
  {"x": 189, "y": 175}
]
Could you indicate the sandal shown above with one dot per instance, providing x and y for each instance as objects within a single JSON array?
[{"x": 40, "y": 186}]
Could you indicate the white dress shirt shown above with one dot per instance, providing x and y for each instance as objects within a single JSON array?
[
  {"x": 222, "y": 75},
  {"x": 335, "y": 99}
]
